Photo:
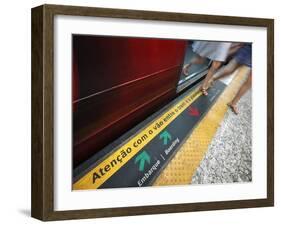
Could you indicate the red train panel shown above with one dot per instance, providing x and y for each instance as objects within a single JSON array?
[{"x": 118, "y": 82}]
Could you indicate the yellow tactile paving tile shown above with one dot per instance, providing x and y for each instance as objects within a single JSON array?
[{"x": 182, "y": 167}]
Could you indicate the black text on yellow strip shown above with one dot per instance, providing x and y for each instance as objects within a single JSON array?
[{"x": 112, "y": 163}]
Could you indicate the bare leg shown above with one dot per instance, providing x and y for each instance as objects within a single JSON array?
[
  {"x": 243, "y": 89},
  {"x": 195, "y": 60},
  {"x": 234, "y": 48},
  {"x": 226, "y": 70},
  {"x": 214, "y": 67}
]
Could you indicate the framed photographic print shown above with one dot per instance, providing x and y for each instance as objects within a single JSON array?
[{"x": 141, "y": 112}]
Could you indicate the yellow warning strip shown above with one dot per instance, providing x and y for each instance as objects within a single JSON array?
[
  {"x": 104, "y": 170},
  {"x": 182, "y": 167}
]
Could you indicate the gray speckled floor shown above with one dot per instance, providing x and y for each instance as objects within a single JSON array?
[{"x": 229, "y": 156}]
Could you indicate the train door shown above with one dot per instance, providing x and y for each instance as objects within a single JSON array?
[{"x": 195, "y": 72}]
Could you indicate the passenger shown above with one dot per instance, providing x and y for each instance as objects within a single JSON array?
[
  {"x": 242, "y": 57},
  {"x": 215, "y": 51},
  {"x": 234, "y": 48}
]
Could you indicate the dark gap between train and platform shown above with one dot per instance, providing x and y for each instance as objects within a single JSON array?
[
  {"x": 85, "y": 167},
  {"x": 147, "y": 164},
  {"x": 182, "y": 89}
]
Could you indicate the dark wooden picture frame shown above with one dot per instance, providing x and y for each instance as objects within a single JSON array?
[{"x": 43, "y": 107}]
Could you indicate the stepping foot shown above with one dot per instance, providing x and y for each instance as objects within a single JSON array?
[
  {"x": 204, "y": 91},
  {"x": 185, "y": 69},
  {"x": 233, "y": 108}
]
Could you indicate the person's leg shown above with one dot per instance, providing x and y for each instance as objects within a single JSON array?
[
  {"x": 226, "y": 70},
  {"x": 214, "y": 67},
  {"x": 195, "y": 60},
  {"x": 234, "y": 48},
  {"x": 243, "y": 89}
]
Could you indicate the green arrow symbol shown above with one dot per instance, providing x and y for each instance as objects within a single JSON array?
[
  {"x": 165, "y": 136},
  {"x": 142, "y": 158}
]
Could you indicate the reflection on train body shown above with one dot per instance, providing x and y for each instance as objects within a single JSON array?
[{"x": 118, "y": 82}]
